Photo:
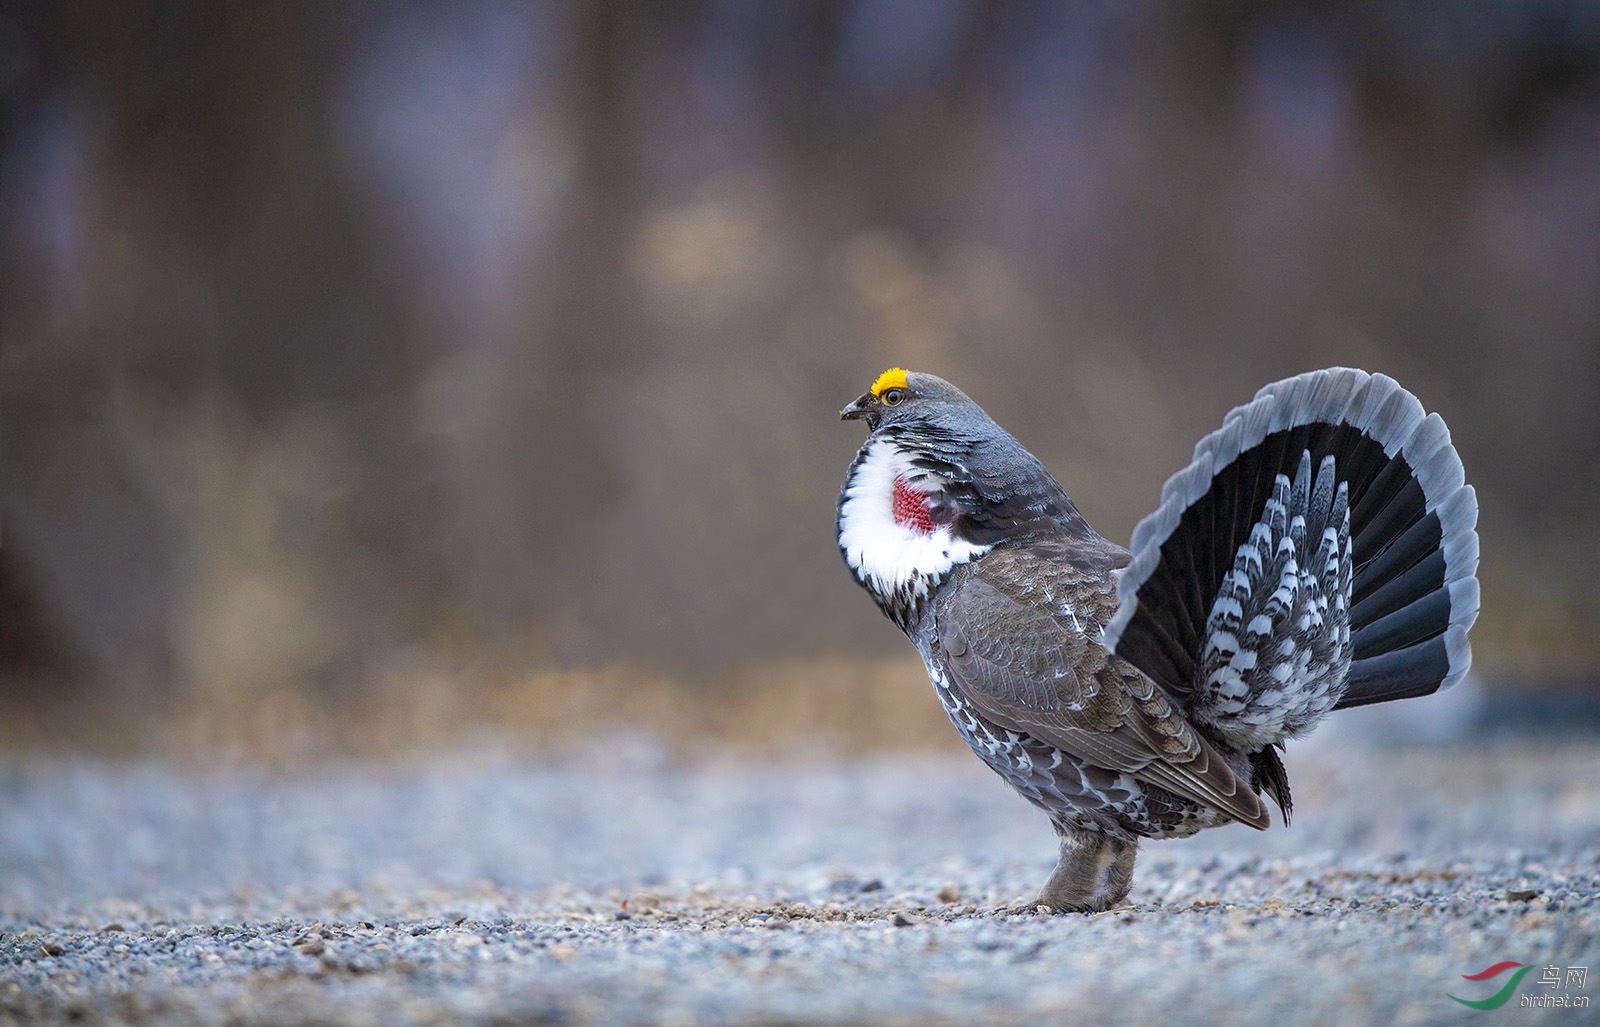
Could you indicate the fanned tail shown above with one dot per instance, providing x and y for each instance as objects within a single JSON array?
[{"x": 1319, "y": 552}]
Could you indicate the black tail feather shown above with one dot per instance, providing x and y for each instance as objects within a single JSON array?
[
  {"x": 1270, "y": 777},
  {"x": 1398, "y": 674},
  {"x": 1419, "y": 541},
  {"x": 1422, "y": 578}
]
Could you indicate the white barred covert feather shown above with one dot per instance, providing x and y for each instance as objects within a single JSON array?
[
  {"x": 1277, "y": 642},
  {"x": 1317, "y": 553}
]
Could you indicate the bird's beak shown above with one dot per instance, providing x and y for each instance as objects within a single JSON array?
[{"x": 857, "y": 410}]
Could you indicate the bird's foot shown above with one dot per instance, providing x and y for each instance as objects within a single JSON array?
[
  {"x": 1041, "y": 908},
  {"x": 1025, "y": 909},
  {"x": 1093, "y": 876}
]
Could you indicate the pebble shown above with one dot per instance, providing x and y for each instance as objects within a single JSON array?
[{"x": 492, "y": 893}]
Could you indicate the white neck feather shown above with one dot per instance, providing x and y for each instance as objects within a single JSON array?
[{"x": 887, "y": 556}]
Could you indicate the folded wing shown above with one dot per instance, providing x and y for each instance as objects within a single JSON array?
[{"x": 1018, "y": 633}]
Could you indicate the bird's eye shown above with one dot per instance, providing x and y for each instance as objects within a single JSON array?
[{"x": 892, "y": 397}]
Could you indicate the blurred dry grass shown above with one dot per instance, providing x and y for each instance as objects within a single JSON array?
[
  {"x": 343, "y": 343},
  {"x": 802, "y": 708}
]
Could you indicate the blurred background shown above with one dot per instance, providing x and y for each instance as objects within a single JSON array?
[{"x": 371, "y": 373}]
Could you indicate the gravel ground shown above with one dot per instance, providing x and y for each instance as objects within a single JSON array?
[{"x": 618, "y": 887}]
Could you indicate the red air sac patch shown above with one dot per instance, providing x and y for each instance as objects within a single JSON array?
[{"x": 911, "y": 508}]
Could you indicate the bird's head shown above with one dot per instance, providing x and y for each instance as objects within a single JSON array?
[{"x": 901, "y": 397}]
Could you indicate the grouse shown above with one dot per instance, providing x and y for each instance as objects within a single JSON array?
[{"x": 1318, "y": 553}]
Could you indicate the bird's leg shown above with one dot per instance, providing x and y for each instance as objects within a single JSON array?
[{"x": 1095, "y": 872}]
